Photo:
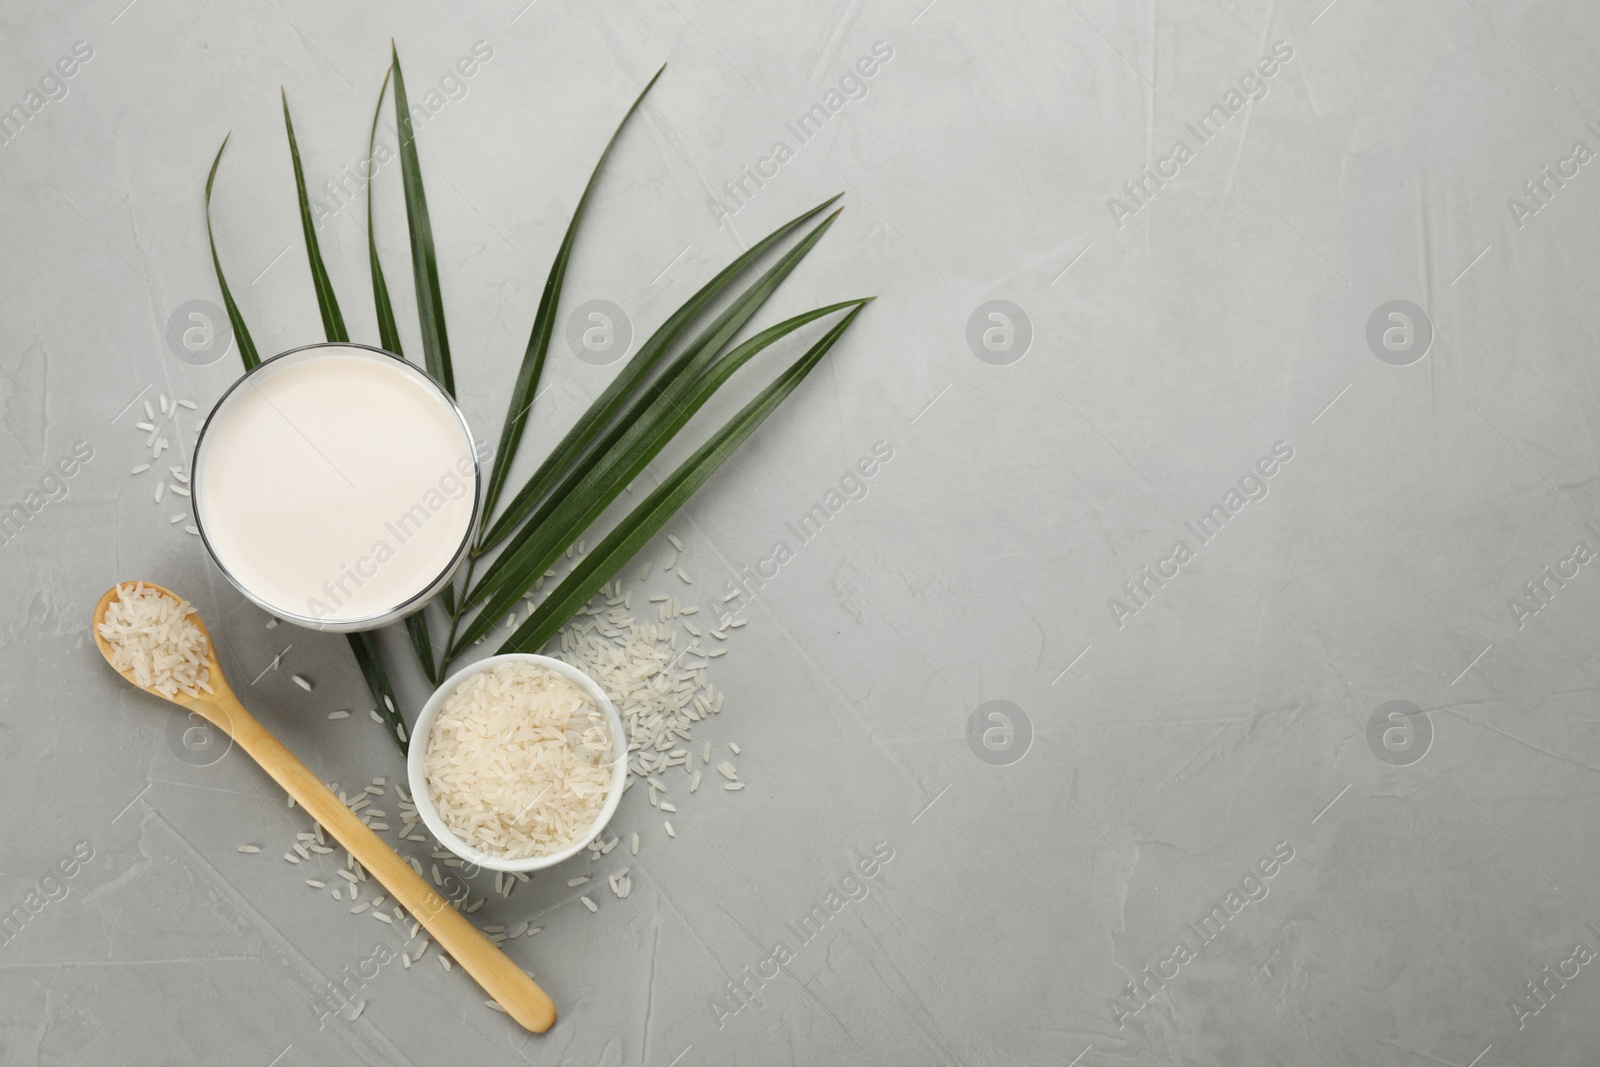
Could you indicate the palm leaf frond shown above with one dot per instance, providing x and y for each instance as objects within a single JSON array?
[
  {"x": 241, "y": 335},
  {"x": 527, "y": 384},
  {"x": 603, "y": 562},
  {"x": 424, "y": 260}
]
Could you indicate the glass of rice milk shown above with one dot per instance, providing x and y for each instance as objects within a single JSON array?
[{"x": 337, "y": 486}]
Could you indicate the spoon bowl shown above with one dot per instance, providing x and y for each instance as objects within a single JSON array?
[
  {"x": 502, "y": 979},
  {"x": 208, "y": 706}
]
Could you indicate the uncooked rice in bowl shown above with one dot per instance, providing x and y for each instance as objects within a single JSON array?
[
  {"x": 519, "y": 761},
  {"x": 151, "y": 634}
]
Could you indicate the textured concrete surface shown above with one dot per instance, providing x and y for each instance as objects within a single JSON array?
[{"x": 1204, "y": 754}]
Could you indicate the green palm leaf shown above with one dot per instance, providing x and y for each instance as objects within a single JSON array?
[
  {"x": 327, "y": 303},
  {"x": 541, "y": 529},
  {"x": 241, "y": 335},
  {"x": 609, "y": 402},
  {"x": 543, "y": 328},
  {"x": 424, "y": 262},
  {"x": 601, "y": 564},
  {"x": 389, "y": 338},
  {"x": 368, "y": 659},
  {"x": 388, "y": 331},
  {"x": 645, "y": 439}
]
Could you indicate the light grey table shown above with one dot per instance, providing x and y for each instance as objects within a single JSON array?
[{"x": 1369, "y": 271}]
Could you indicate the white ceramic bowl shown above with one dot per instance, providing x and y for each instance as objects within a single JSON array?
[{"x": 417, "y": 770}]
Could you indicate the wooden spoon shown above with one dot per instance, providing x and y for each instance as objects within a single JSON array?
[{"x": 507, "y": 983}]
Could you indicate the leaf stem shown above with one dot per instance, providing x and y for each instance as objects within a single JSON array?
[{"x": 448, "y": 653}]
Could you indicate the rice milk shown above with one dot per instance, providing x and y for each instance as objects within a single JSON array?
[{"x": 336, "y": 486}]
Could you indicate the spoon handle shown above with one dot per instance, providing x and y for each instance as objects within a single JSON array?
[{"x": 502, "y": 979}]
